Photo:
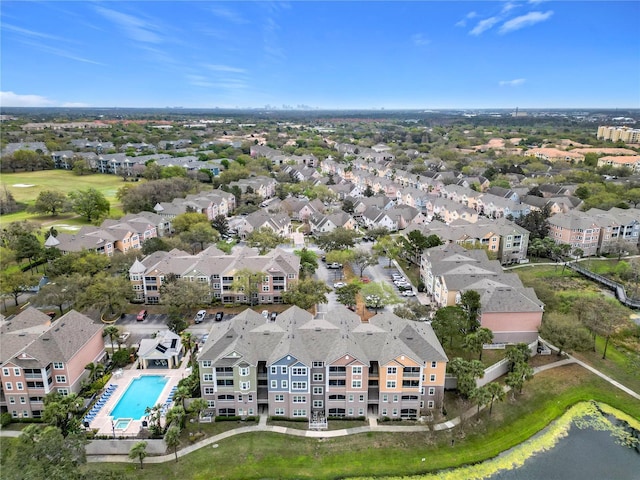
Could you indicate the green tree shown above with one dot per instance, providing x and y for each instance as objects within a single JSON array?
[
  {"x": 139, "y": 452},
  {"x": 481, "y": 396},
  {"x": 474, "y": 341},
  {"x": 386, "y": 246},
  {"x": 496, "y": 393},
  {"x": 199, "y": 405},
  {"x": 155, "y": 244},
  {"x": 264, "y": 239},
  {"x": 172, "y": 439},
  {"x": 413, "y": 310},
  {"x": 176, "y": 416},
  {"x": 339, "y": 239},
  {"x": 308, "y": 262},
  {"x": 368, "y": 191},
  {"x": 518, "y": 376},
  {"x": 347, "y": 295},
  {"x": 306, "y": 293},
  {"x": 89, "y": 203},
  {"x": 199, "y": 234},
  {"x": 60, "y": 411},
  {"x": 43, "y": 452},
  {"x": 449, "y": 323},
  {"x": 59, "y": 293},
  {"x": 112, "y": 332},
  {"x": 185, "y": 221},
  {"x": 108, "y": 294},
  {"x": 470, "y": 304},
  {"x": 95, "y": 370},
  {"x": 466, "y": 372},
  {"x": 28, "y": 246},
  {"x": 247, "y": 282},
  {"x": 221, "y": 225},
  {"x": 362, "y": 259},
  {"x": 50, "y": 201},
  {"x": 378, "y": 295},
  {"x": 15, "y": 283},
  {"x": 183, "y": 296}
]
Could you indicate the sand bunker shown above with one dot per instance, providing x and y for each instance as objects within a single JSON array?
[
  {"x": 22, "y": 185},
  {"x": 66, "y": 227}
]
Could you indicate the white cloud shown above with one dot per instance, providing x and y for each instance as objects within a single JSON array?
[
  {"x": 507, "y": 7},
  {"x": 225, "y": 68},
  {"x": 29, "y": 33},
  {"x": 228, "y": 15},
  {"x": 484, "y": 25},
  {"x": 11, "y": 99},
  {"x": 526, "y": 20},
  {"x": 420, "y": 40},
  {"x": 468, "y": 16},
  {"x": 134, "y": 27},
  {"x": 511, "y": 83},
  {"x": 75, "y": 105}
]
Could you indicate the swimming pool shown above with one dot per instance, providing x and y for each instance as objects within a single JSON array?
[{"x": 141, "y": 393}]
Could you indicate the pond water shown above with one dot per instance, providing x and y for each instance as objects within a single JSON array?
[{"x": 582, "y": 455}]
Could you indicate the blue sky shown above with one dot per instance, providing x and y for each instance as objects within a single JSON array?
[{"x": 331, "y": 54}]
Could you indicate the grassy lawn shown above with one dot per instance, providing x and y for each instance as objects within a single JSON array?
[
  {"x": 60, "y": 180},
  {"x": 260, "y": 455},
  {"x": 332, "y": 424}
]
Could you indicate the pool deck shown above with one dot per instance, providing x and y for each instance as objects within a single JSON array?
[{"x": 103, "y": 420}]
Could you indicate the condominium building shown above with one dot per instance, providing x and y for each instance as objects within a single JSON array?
[
  {"x": 276, "y": 271},
  {"x": 624, "y": 134},
  {"x": 38, "y": 357},
  {"x": 332, "y": 365}
]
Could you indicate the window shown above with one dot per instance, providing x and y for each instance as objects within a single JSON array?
[
  {"x": 283, "y": 370},
  {"x": 274, "y": 370},
  {"x": 361, "y": 398},
  {"x": 395, "y": 398},
  {"x": 356, "y": 370},
  {"x": 265, "y": 288},
  {"x": 337, "y": 370},
  {"x": 224, "y": 382},
  {"x": 337, "y": 397},
  {"x": 19, "y": 386},
  {"x": 207, "y": 377},
  {"x": 384, "y": 412},
  {"x": 23, "y": 400},
  {"x": 250, "y": 397},
  {"x": 318, "y": 404},
  {"x": 299, "y": 371},
  {"x": 356, "y": 383},
  {"x": 25, "y": 414},
  {"x": 318, "y": 364},
  {"x": 391, "y": 384},
  {"x": 279, "y": 411},
  {"x": 63, "y": 391},
  {"x": 244, "y": 371},
  {"x": 395, "y": 412},
  {"x": 284, "y": 384},
  {"x": 391, "y": 370},
  {"x": 209, "y": 391},
  {"x": 430, "y": 404},
  {"x": 299, "y": 385},
  {"x": 317, "y": 377},
  {"x": 206, "y": 363},
  {"x": 385, "y": 398},
  {"x": 12, "y": 400},
  {"x": 350, "y": 412},
  {"x": 226, "y": 398},
  {"x": 58, "y": 365},
  {"x": 318, "y": 390},
  {"x": 351, "y": 398},
  {"x": 211, "y": 404},
  {"x": 410, "y": 383},
  {"x": 274, "y": 384},
  {"x": 409, "y": 397},
  {"x": 16, "y": 372},
  {"x": 299, "y": 412},
  {"x": 299, "y": 399},
  {"x": 5, "y": 372},
  {"x": 432, "y": 377},
  {"x": 245, "y": 385},
  {"x": 432, "y": 391},
  {"x": 8, "y": 386},
  {"x": 361, "y": 411},
  {"x": 279, "y": 397},
  {"x": 337, "y": 383}
]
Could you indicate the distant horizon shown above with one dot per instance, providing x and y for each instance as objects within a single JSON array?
[{"x": 321, "y": 55}]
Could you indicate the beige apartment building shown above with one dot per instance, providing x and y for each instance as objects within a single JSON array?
[{"x": 624, "y": 134}]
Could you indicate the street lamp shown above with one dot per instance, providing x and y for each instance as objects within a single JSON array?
[{"x": 113, "y": 428}]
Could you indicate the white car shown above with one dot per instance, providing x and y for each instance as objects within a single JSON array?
[
  {"x": 200, "y": 316},
  {"x": 339, "y": 285},
  {"x": 265, "y": 313},
  {"x": 408, "y": 293}
]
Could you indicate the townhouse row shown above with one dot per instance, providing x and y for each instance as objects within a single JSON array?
[{"x": 331, "y": 365}]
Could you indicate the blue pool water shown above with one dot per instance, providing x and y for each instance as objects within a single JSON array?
[{"x": 142, "y": 392}]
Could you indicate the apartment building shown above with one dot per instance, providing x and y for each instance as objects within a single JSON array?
[
  {"x": 624, "y": 134},
  {"x": 277, "y": 269},
  {"x": 512, "y": 312},
  {"x": 333, "y": 365},
  {"x": 38, "y": 357},
  {"x": 555, "y": 155}
]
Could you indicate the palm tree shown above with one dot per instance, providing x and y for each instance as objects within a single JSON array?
[
  {"x": 172, "y": 439},
  {"x": 112, "y": 332},
  {"x": 188, "y": 343},
  {"x": 198, "y": 406},
  {"x": 139, "y": 452},
  {"x": 497, "y": 393},
  {"x": 95, "y": 370},
  {"x": 182, "y": 393},
  {"x": 176, "y": 414}
]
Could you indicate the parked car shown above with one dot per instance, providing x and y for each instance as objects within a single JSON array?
[
  {"x": 339, "y": 285},
  {"x": 334, "y": 265},
  {"x": 273, "y": 316},
  {"x": 365, "y": 279},
  {"x": 219, "y": 316},
  {"x": 408, "y": 293},
  {"x": 265, "y": 313},
  {"x": 141, "y": 315},
  {"x": 200, "y": 316}
]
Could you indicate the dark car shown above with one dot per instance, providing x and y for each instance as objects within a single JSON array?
[
  {"x": 141, "y": 315},
  {"x": 273, "y": 316},
  {"x": 219, "y": 316}
]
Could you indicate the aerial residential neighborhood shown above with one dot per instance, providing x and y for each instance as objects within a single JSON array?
[{"x": 319, "y": 240}]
